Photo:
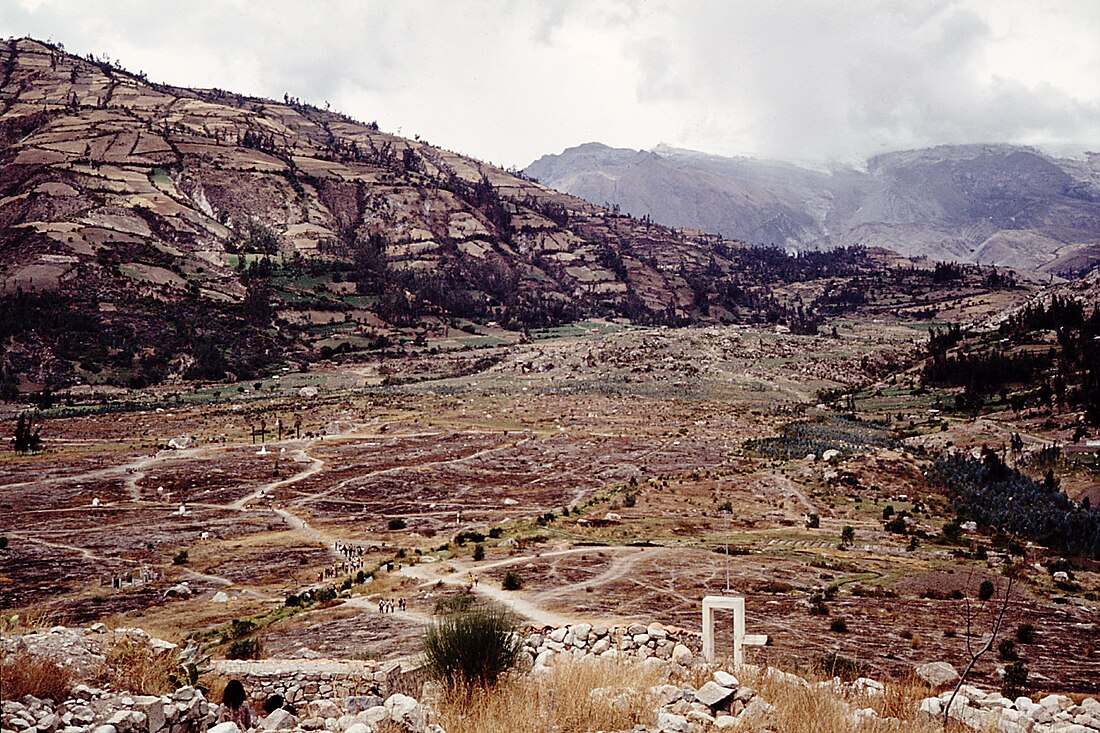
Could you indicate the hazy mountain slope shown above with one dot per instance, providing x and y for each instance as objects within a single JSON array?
[
  {"x": 980, "y": 203},
  {"x": 159, "y": 218}
]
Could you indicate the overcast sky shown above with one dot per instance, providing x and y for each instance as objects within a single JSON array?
[{"x": 510, "y": 80}]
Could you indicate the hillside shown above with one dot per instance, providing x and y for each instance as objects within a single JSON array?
[
  {"x": 993, "y": 204},
  {"x": 154, "y": 233}
]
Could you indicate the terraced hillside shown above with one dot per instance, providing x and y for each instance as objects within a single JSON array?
[{"x": 150, "y": 232}]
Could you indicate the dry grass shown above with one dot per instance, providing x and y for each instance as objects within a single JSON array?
[
  {"x": 27, "y": 674},
  {"x": 563, "y": 702},
  {"x": 136, "y": 667},
  {"x": 824, "y": 709}
]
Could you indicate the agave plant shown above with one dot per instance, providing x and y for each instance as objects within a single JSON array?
[{"x": 192, "y": 663}]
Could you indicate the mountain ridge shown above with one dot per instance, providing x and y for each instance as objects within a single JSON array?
[{"x": 992, "y": 203}]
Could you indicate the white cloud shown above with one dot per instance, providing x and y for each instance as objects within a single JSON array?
[{"x": 509, "y": 80}]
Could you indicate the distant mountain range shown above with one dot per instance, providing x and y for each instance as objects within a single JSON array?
[{"x": 990, "y": 204}]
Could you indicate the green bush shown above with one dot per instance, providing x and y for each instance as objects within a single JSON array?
[
  {"x": 1015, "y": 680},
  {"x": 180, "y": 558},
  {"x": 472, "y": 648},
  {"x": 3, "y": 543},
  {"x": 986, "y": 590},
  {"x": 243, "y": 649},
  {"x": 1006, "y": 650},
  {"x": 512, "y": 581},
  {"x": 479, "y": 552},
  {"x": 1025, "y": 634},
  {"x": 396, "y": 524},
  {"x": 839, "y": 625}
]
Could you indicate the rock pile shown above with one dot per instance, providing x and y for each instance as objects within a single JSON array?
[
  {"x": 980, "y": 710},
  {"x": 91, "y": 710},
  {"x": 644, "y": 642},
  {"x": 81, "y": 651}
]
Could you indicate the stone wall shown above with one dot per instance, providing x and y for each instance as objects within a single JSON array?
[
  {"x": 305, "y": 680},
  {"x": 654, "y": 641}
]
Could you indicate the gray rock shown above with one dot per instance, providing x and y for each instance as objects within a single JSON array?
[
  {"x": 671, "y": 723},
  {"x": 682, "y": 655},
  {"x": 937, "y": 674},
  {"x": 713, "y": 694},
  {"x": 279, "y": 719},
  {"x": 226, "y": 727},
  {"x": 726, "y": 679}
]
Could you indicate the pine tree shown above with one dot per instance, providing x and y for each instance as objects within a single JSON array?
[{"x": 27, "y": 437}]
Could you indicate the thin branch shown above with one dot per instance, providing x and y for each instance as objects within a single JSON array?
[{"x": 997, "y": 623}]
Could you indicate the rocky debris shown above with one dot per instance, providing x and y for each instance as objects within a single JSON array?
[
  {"x": 181, "y": 443},
  {"x": 82, "y": 651},
  {"x": 981, "y": 710},
  {"x": 91, "y": 710},
  {"x": 656, "y": 642}
]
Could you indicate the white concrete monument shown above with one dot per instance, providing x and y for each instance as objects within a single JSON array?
[{"x": 740, "y": 638}]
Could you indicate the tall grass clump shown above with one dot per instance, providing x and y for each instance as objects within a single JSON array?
[
  {"x": 28, "y": 674},
  {"x": 472, "y": 648},
  {"x": 576, "y": 696}
]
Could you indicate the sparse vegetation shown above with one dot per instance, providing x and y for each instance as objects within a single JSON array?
[
  {"x": 512, "y": 581},
  {"x": 473, "y": 648},
  {"x": 28, "y": 674}
]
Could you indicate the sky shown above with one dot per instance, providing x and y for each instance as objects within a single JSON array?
[{"x": 507, "y": 81}]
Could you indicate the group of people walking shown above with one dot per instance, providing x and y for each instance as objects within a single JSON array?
[{"x": 388, "y": 605}]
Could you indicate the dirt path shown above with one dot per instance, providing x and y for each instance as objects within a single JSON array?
[
  {"x": 316, "y": 464},
  {"x": 530, "y": 608}
]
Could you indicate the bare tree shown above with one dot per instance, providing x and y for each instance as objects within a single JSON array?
[{"x": 991, "y": 612}]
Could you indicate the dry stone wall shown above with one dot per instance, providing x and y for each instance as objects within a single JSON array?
[{"x": 304, "y": 680}]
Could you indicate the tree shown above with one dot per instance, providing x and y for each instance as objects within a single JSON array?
[
  {"x": 992, "y": 614},
  {"x": 847, "y": 536},
  {"x": 27, "y": 438}
]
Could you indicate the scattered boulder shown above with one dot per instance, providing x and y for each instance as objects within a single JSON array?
[{"x": 937, "y": 674}]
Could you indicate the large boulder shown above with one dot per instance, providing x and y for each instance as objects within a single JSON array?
[
  {"x": 279, "y": 719},
  {"x": 937, "y": 674},
  {"x": 713, "y": 694}
]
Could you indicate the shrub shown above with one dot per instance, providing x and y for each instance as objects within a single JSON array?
[
  {"x": 512, "y": 581},
  {"x": 834, "y": 665},
  {"x": 1025, "y": 634},
  {"x": 986, "y": 590},
  {"x": 839, "y": 625},
  {"x": 496, "y": 533},
  {"x": 243, "y": 649},
  {"x": 27, "y": 674},
  {"x": 630, "y": 500},
  {"x": 395, "y": 524},
  {"x": 137, "y": 667},
  {"x": 1006, "y": 650},
  {"x": 237, "y": 629},
  {"x": 813, "y": 521},
  {"x": 473, "y": 648},
  {"x": 479, "y": 552},
  {"x": 3, "y": 542},
  {"x": 1014, "y": 684},
  {"x": 457, "y": 603},
  {"x": 180, "y": 558}
]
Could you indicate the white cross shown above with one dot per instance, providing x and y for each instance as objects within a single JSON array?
[{"x": 740, "y": 638}]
